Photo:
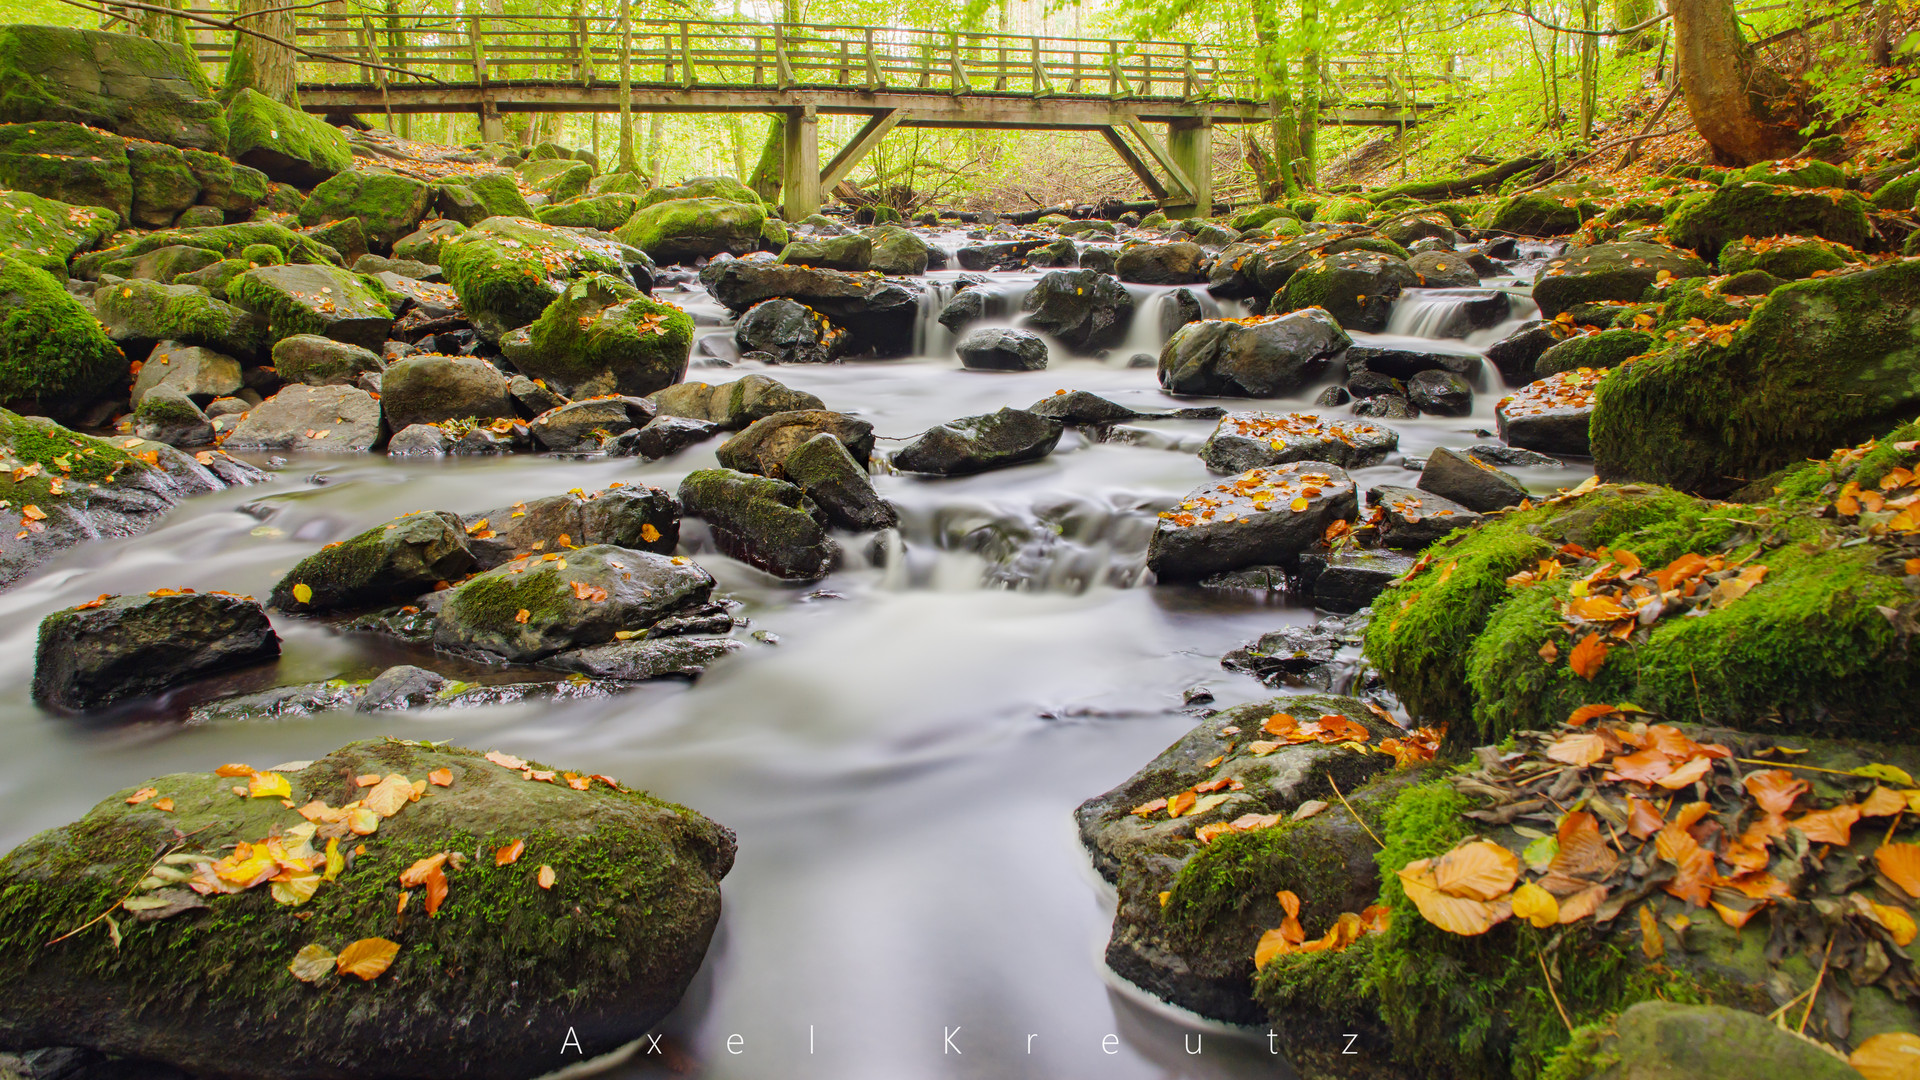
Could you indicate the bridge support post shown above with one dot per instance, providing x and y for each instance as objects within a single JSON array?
[
  {"x": 1190, "y": 144},
  {"x": 491, "y": 127},
  {"x": 800, "y": 172}
]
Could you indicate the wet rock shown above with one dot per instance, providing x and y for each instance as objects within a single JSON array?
[
  {"x": 311, "y": 419},
  {"x": 1516, "y": 353},
  {"x": 1085, "y": 310},
  {"x": 663, "y": 436},
  {"x": 646, "y": 658},
  {"x": 637, "y": 516},
  {"x": 485, "y": 442},
  {"x": 1606, "y": 349},
  {"x": 650, "y": 869},
  {"x": 683, "y": 230},
  {"x": 1551, "y": 415},
  {"x": 1616, "y": 271},
  {"x": 763, "y": 522},
  {"x": 579, "y": 599},
  {"x": 1100, "y": 259},
  {"x": 878, "y": 312},
  {"x": 1250, "y": 440},
  {"x": 978, "y": 443},
  {"x": 1252, "y": 520},
  {"x": 736, "y": 404},
  {"x": 1177, "y": 309},
  {"x": 763, "y": 446},
  {"x": 790, "y": 331},
  {"x": 1513, "y": 457},
  {"x": 999, "y": 349},
  {"x": 1346, "y": 581},
  {"x": 1385, "y": 407},
  {"x": 168, "y": 416},
  {"x": 1297, "y": 656},
  {"x": 135, "y": 646},
  {"x": 1061, "y": 252},
  {"x": 430, "y": 389},
  {"x": 839, "y": 486},
  {"x": 1356, "y": 287},
  {"x": 1405, "y": 364},
  {"x": 1416, "y": 518},
  {"x": 533, "y": 397},
  {"x": 402, "y": 686},
  {"x": 1275, "y": 358},
  {"x": 1178, "y": 263},
  {"x": 581, "y": 425},
  {"x": 423, "y": 244},
  {"x": 1443, "y": 270},
  {"x": 1333, "y": 397},
  {"x": 1079, "y": 407},
  {"x": 1006, "y": 255},
  {"x": 898, "y": 251},
  {"x": 374, "y": 266},
  {"x": 320, "y": 361},
  {"x": 192, "y": 370},
  {"x": 967, "y": 306},
  {"x": 1470, "y": 482},
  {"x": 603, "y": 336},
  {"x": 852, "y": 251},
  {"x": 385, "y": 564},
  {"x": 1441, "y": 393},
  {"x": 420, "y": 440}
]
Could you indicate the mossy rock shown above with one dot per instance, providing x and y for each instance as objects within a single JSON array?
[
  {"x": 1821, "y": 363},
  {"x": 1343, "y": 210},
  {"x": 1798, "y": 172},
  {"x": 605, "y": 212},
  {"x": 136, "y": 86},
  {"x": 766, "y": 523},
  {"x": 1898, "y": 193},
  {"x": 681, "y": 230},
  {"x": 898, "y": 251},
  {"x": 388, "y": 563},
  {"x": 702, "y": 187},
  {"x": 305, "y": 298},
  {"x": 625, "y": 183},
  {"x": 1790, "y": 258},
  {"x": 53, "y": 355},
  {"x": 558, "y": 179},
  {"x": 388, "y": 204},
  {"x": 1615, "y": 271},
  {"x": 423, "y": 244},
  {"x": 534, "y": 607},
  {"x": 163, "y": 186},
  {"x": 1606, "y": 349},
  {"x": 67, "y": 163},
  {"x": 1737, "y": 209},
  {"x": 507, "y": 270},
  {"x": 45, "y": 233},
  {"x": 1357, "y": 287},
  {"x": 1547, "y": 212},
  {"x": 853, "y": 252},
  {"x": 139, "y": 314},
  {"x": 1261, "y": 216},
  {"x": 284, "y": 143},
  {"x": 230, "y": 188},
  {"x": 227, "y": 241},
  {"x": 601, "y": 955},
  {"x": 499, "y": 192},
  {"x": 603, "y": 336}
]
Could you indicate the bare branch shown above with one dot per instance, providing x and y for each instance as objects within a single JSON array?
[{"x": 228, "y": 24}]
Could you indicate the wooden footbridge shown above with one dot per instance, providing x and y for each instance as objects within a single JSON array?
[{"x": 490, "y": 64}]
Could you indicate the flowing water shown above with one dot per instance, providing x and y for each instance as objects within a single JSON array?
[{"x": 900, "y": 765}]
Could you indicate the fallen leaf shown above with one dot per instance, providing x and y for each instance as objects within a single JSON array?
[
  {"x": 1643, "y": 818},
  {"x": 1899, "y": 922},
  {"x": 1881, "y": 802},
  {"x": 1455, "y": 915},
  {"x": 505, "y": 761},
  {"x": 1588, "y": 656},
  {"x": 1652, "y": 945},
  {"x": 1901, "y": 864},
  {"x": 1481, "y": 870},
  {"x": 312, "y": 963},
  {"x": 368, "y": 958},
  {"x": 1583, "y": 853},
  {"x": 441, "y": 777},
  {"x": 1536, "y": 905},
  {"x": 546, "y": 878},
  {"x": 269, "y": 785},
  {"x": 1774, "y": 789},
  {"x": 1581, "y": 748},
  {"x": 1588, "y": 712},
  {"x": 389, "y": 795},
  {"x": 511, "y": 852},
  {"x": 303, "y": 593},
  {"x": 1833, "y": 826},
  {"x": 1890, "y": 1055},
  {"x": 142, "y": 795}
]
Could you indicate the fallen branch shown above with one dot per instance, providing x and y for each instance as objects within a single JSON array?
[
  {"x": 229, "y": 24},
  {"x": 1470, "y": 184},
  {"x": 1633, "y": 148}
]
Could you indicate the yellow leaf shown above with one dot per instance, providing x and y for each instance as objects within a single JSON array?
[
  {"x": 1536, "y": 905},
  {"x": 362, "y": 821},
  {"x": 1453, "y": 914},
  {"x": 1481, "y": 870},
  {"x": 389, "y": 795},
  {"x": 312, "y": 963},
  {"x": 268, "y": 785},
  {"x": 1651, "y": 943},
  {"x": 297, "y": 889},
  {"x": 336, "y": 862},
  {"x": 303, "y": 593},
  {"x": 649, "y": 534},
  {"x": 368, "y": 958},
  {"x": 1898, "y": 922},
  {"x": 1890, "y": 1055},
  {"x": 545, "y": 877},
  {"x": 142, "y": 795}
]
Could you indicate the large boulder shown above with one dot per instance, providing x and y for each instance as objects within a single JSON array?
[
  {"x": 319, "y": 361},
  {"x": 1250, "y": 440},
  {"x": 974, "y": 444},
  {"x": 1664, "y": 1040},
  {"x": 762, "y": 446},
  {"x": 1356, "y": 287},
  {"x": 736, "y": 404},
  {"x": 428, "y": 389},
  {"x": 227, "y": 241},
  {"x": 139, "y": 314},
  {"x": 67, "y": 163},
  {"x": 766, "y": 523},
  {"x": 1551, "y": 414},
  {"x": 388, "y": 204},
  {"x": 1824, "y": 362},
  {"x": 1416, "y": 518},
  {"x": 602, "y": 212},
  {"x": 499, "y": 195},
  {"x": 603, "y": 336},
  {"x": 853, "y": 252},
  {"x": 45, "y": 233},
  {"x": 1709, "y": 221},
  {"x": 880, "y": 313},
  {"x": 163, "y": 186},
  {"x": 558, "y": 179},
  {"x": 997, "y": 348},
  {"x": 838, "y": 485},
  {"x": 898, "y": 251},
  {"x": 1179, "y": 263},
  {"x": 1251, "y": 520},
  {"x": 508, "y": 270},
  {"x": 583, "y": 425},
  {"x": 790, "y": 332},
  {"x": 311, "y": 419},
  {"x": 634, "y": 516},
  {"x": 1084, "y": 309},
  {"x": 165, "y": 415},
  {"x": 136, "y": 86},
  {"x": 538, "y": 605},
  {"x": 307, "y": 298},
  {"x": 286, "y": 144},
  {"x": 1608, "y": 348},
  {"x": 1265, "y": 357},
  {"x": 231, "y": 188},
  {"x": 160, "y": 989},
  {"x": 682, "y": 230},
  {"x": 1470, "y": 482},
  {"x": 115, "y": 649},
  {"x": 392, "y": 562},
  {"x": 1616, "y": 271},
  {"x": 199, "y": 373},
  {"x": 54, "y": 358}
]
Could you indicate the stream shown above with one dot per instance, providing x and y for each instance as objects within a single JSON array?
[{"x": 900, "y": 756}]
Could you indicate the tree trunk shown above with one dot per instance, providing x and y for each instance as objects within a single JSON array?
[
  {"x": 1746, "y": 111},
  {"x": 1286, "y": 122},
  {"x": 258, "y": 64},
  {"x": 627, "y": 162},
  {"x": 1307, "y": 130},
  {"x": 656, "y": 158},
  {"x": 766, "y": 178}
]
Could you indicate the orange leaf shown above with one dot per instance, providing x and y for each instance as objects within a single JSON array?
[
  {"x": 441, "y": 777},
  {"x": 367, "y": 958},
  {"x": 1686, "y": 774},
  {"x": 1581, "y": 904},
  {"x": 1481, "y": 870},
  {"x": 1882, "y": 801},
  {"x": 1645, "y": 767},
  {"x": 1597, "y": 609},
  {"x": 1890, "y": 1055},
  {"x": 545, "y": 877},
  {"x": 1587, "y": 712},
  {"x": 142, "y": 795},
  {"x": 1587, "y": 656},
  {"x": 505, "y": 761},
  {"x": 1643, "y": 818},
  {"x": 1583, "y": 748},
  {"x": 1833, "y": 826},
  {"x": 1280, "y": 724},
  {"x": 509, "y": 853},
  {"x": 1652, "y": 945},
  {"x": 1582, "y": 852},
  {"x": 1453, "y": 914},
  {"x": 1774, "y": 789},
  {"x": 234, "y": 770},
  {"x": 1901, "y": 864},
  {"x": 417, "y": 874}
]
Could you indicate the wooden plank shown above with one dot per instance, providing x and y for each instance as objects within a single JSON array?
[
  {"x": 859, "y": 146},
  {"x": 1042, "y": 86},
  {"x": 1161, "y": 155},
  {"x": 686, "y": 59},
  {"x": 1133, "y": 161},
  {"x": 959, "y": 72}
]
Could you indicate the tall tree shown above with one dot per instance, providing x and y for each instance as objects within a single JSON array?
[
  {"x": 258, "y": 63},
  {"x": 1745, "y": 110}
]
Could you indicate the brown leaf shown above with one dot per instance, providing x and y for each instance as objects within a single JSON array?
[
  {"x": 1583, "y": 853},
  {"x": 1480, "y": 870},
  {"x": 1901, "y": 864},
  {"x": 1834, "y": 826},
  {"x": 1581, "y": 748},
  {"x": 1588, "y": 656},
  {"x": 1774, "y": 789}
]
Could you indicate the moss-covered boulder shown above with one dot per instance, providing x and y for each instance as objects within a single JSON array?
[
  {"x": 603, "y": 336},
  {"x": 163, "y": 186},
  {"x": 734, "y": 405},
  {"x": 387, "y": 563},
  {"x": 1258, "y": 357},
  {"x": 766, "y": 523},
  {"x": 67, "y": 163},
  {"x": 539, "y": 605},
  {"x": 135, "y": 646},
  {"x": 311, "y": 420},
  {"x": 603, "y": 212},
  {"x": 227, "y": 241},
  {"x": 1709, "y": 221},
  {"x": 1822, "y": 363},
  {"x": 139, "y": 314},
  {"x": 286, "y": 144},
  {"x": 423, "y": 244},
  {"x": 1787, "y": 257},
  {"x": 499, "y": 194},
  {"x": 557, "y": 179},
  {"x": 1616, "y": 271},
  {"x": 853, "y": 252},
  {"x": 1897, "y": 193},
  {"x": 625, "y": 515},
  {"x": 763, "y": 446},
  {"x": 428, "y": 389},
  {"x": 1548, "y": 212},
  {"x": 898, "y": 251},
  {"x": 701, "y": 187},
  {"x": 1356, "y": 287},
  {"x": 681, "y": 230},
  {"x": 508, "y": 270},
  {"x": 1606, "y": 349},
  {"x": 1658, "y": 1039},
  {"x": 388, "y": 204},
  {"x": 136, "y": 86},
  {"x": 45, "y": 233},
  {"x": 305, "y": 298},
  {"x": 592, "y": 934},
  {"x": 226, "y": 186},
  {"x": 321, "y": 361},
  {"x": 54, "y": 357}
]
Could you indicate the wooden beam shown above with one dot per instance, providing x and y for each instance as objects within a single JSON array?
[
  {"x": 859, "y": 146},
  {"x": 1133, "y": 161},
  {"x": 1161, "y": 155},
  {"x": 800, "y": 182}
]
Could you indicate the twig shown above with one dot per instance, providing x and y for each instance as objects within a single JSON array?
[
  {"x": 1351, "y": 810},
  {"x": 116, "y": 904},
  {"x": 1814, "y": 994},
  {"x": 1626, "y": 159},
  {"x": 1548, "y": 975},
  {"x": 278, "y": 10},
  {"x": 1697, "y": 703},
  {"x": 1808, "y": 768}
]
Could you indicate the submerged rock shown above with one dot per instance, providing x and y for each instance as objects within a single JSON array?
[
  {"x": 977, "y": 443},
  {"x": 646, "y": 658},
  {"x": 124, "y": 647}
]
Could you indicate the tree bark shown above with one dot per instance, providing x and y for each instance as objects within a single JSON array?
[
  {"x": 1307, "y": 129},
  {"x": 258, "y": 64},
  {"x": 627, "y": 162},
  {"x": 1746, "y": 111}
]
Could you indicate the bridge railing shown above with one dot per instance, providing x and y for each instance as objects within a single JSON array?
[{"x": 478, "y": 49}]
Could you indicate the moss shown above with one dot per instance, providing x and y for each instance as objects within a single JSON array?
[
  {"x": 500, "y": 193},
  {"x": 1739, "y": 209},
  {"x": 309, "y": 299},
  {"x": 702, "y": 187},
  {"x": 74, "y": 459},
  {"x": 283, "y": 142},
  {"x": 140, "y": 87},
  {"x": 235, "y": 189},
  {"x": 628, "y": 343},
  {"x": 52, "y": 352},
  {"x": 1261, "y": 215},
  {"x": 1792, "y": 260},
  {"x": 1539, "y": 214},
  {"x": 685, "y": 229},
  {"x": 1584, "y": 1055},
  {"x": 1602, "y": 350},
  {"x": 68, "y": 163},
  {"x": 1803, "y": 174},
  {"x": 45, "y": 233},
  {"x": 605, "y": 212},
  {"x": 1336, "y": 985},
  {"x": 506, "y": 271},
  {"x": 1343, "y": 210},
  {"x": 388, "y": 204},
  {"x": 262, "y": 255},
  {"x": 1898, "y": 193},
  {"x": 229, "y": 241}
]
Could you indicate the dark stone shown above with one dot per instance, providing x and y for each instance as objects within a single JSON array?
[
  {"x": 1080, "y": 407},
  {"x": 134, "y": 646},
  {"x": 1513, "y": 457},
  {"x": 646, "y": 658},
  {"x": 967, "y": 306},
  {"x": 1177, "y": 309},
  {"x": 1084, "y": 309},
  {"x": 879, "y": 313},
  {"x": 1369, "y": 384},
  {"x": 1297, "y": 656},
  {"x": 1254, "y": 523},
  {"x": 385, "y": 564},
  {"x": 1441, "y": 393},
  {"x": 999, "y": 349},
  {"x": 763, "y": 522},
  {"x": 1007, "y": 255},
  {"x": 764, "y": 445},
  {"x": 1346, "y": 581},
  {"x": 1416, "y": 518},
  {"x": 402, "y": 686},
  {"x": 420, "y": 440},
  {"x": 977, "y": 443},
  {"x": 792, "y": 332},
  {"x": 664, "y": 436},
  {"x": 1181, "y": 263},
  {"x": 1516, "y": 353},
  {"x": 1443, "y": 270},
  {"x": 581, "y": 599},
  {"x": 635, "y": 516},
  {"x": 837, "y": 484},
  {"x": 1405, "y": 363},
  {"x": 1332, "y": 397},
  {"x": 1385, "y": 407},
  {"x": 1251, "y": 440},
  {"x": 580, "y": 425},
  {"x": 1469, "y": 482},
  {"x": 1216, "y": 358}
]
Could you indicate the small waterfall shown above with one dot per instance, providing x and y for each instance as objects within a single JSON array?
[
  {"x": 930, "y": 338},
  {"x": 1447, "y": 313}
]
